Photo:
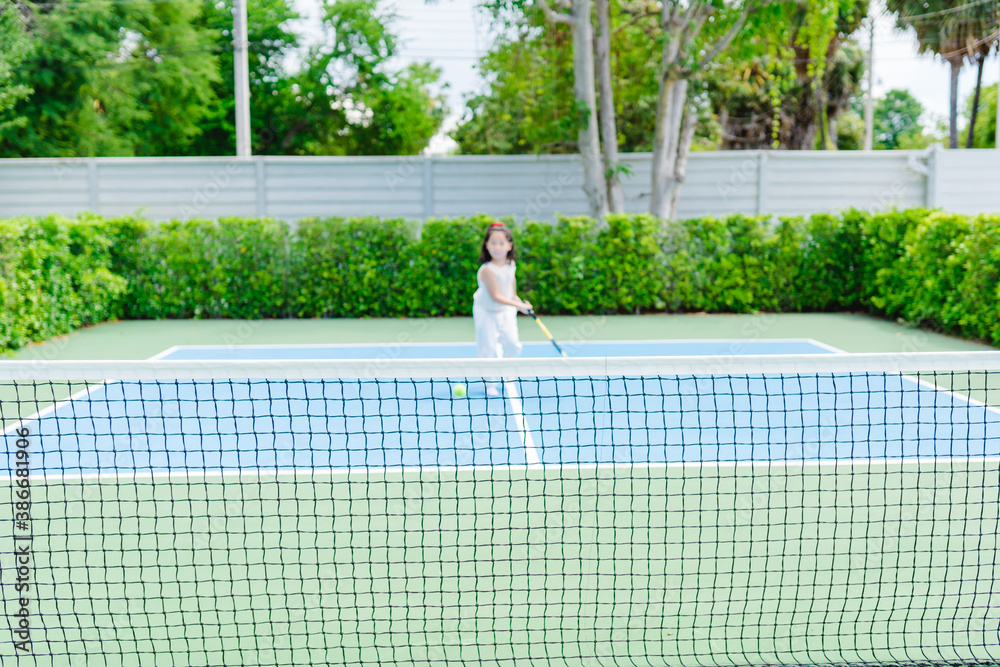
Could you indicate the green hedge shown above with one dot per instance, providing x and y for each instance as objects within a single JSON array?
[
  {"x": 55, "y": 276},
  {"x": 928, "y": 268}
]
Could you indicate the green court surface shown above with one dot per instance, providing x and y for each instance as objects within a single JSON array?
[
  {"x": 144, "y": 338},
  {"x": 664, "y": 566}
]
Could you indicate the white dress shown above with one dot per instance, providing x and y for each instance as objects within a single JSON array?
[{"x": 496, "y": 323}]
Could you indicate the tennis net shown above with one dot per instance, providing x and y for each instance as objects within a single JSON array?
[{"x": 795, "y": 510}]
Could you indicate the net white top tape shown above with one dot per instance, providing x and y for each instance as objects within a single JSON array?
[{"x": 389, "y": 368}]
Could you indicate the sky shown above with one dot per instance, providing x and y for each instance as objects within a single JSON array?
[{"x": 454, "y": 34}]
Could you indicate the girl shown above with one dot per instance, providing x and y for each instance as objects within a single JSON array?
[{"x": 495, "y": 303}]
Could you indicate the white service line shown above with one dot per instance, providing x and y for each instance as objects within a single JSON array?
[
  {"x": 530, "y": 453},
  {"x": 52, "y": 408}
]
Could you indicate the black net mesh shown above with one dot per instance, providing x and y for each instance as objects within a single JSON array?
[{"x": 702, "y": 519}]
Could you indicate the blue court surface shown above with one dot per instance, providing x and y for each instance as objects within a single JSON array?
[
  {"x": 255, "y": 425},
  {"x": 668, "y": 348}
]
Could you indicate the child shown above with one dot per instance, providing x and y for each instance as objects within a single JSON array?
[{"x": 495, "y": 303}]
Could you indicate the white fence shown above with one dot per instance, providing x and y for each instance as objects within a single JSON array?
[{"x": 539, "y": 187}]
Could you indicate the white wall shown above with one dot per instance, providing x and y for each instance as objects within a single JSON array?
[{"x": 539, "y": 187}]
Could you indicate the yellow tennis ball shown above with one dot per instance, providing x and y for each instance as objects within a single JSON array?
[{"x": 458, "y": 390}]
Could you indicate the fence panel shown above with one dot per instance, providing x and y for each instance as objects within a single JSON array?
[
  {"x": 969, "y": 180},
  {"x": 298, "y": 188},
  {"x": 177, "y": 189},
  {"x": 41, "y": 187},
  {"x": 799, "y": 183},
  {"x": 718, "y": 183}
]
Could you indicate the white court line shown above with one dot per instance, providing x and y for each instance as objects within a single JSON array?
[
  {"x": 924, "y": 383},
  {"x": 822, "y": 345},
  {"x": 897, "y": 463},
  {"x": 52, "y": 408},
  {"x": 530, "y": 452},
  {"x": 333, "y": 346},
  {"x": 166, "y": 353},
  {"x": 958, "y": 397}
]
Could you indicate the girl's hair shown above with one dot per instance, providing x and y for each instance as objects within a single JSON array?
[{"x": 484, "y": 254}]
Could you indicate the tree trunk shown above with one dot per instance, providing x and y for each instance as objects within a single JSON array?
[
  {"x": 669, "y": 109},
  {"x": 609, "y": 129},
  {"x": 821, "y": 114},
  {"x": 583, "y": 85},
  {"x": 975, "y": 102},
  {"x": 684, "y": 149},
  {"x": 956, "y": 67}
]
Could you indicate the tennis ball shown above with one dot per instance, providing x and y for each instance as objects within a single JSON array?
[{"x": 458, "y": 390}]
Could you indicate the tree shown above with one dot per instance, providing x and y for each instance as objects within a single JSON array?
[
  {"x": 348, "y": 99},
  {"x": 979, "y": 56},
  {"x": 606, "y": 112},
  {"x": 983, "y": 129},
  {"x": 588, "y": 139},
  {"x": 528, "y": 107},
  {"x": 850, "y": 131},
  {"x": 147, "y": 77},
  {"x": 112, "y": 78},
  {"x": 14, "y": 49},
  {"x": 536, "y": 20},
  {"x": 694, "y": 34},
  {"x": 953, "y": 31},
  {"x": 683, "y": 41},
  {"x": 897, "y": 114},
  {"x": 761, "y": 108},
  {"x": 271, "y": 42}
]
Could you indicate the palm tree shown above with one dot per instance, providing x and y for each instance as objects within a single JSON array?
[{"x": 956, "y": 30}]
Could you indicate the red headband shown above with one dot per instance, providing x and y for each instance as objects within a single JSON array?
[{"x": 496, "y": 224}]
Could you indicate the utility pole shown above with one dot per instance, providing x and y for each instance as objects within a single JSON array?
[
  {"x": 870, "y": 92},
  {"x": 996, "y": 139},
  {"x": 242, "y": 75}
]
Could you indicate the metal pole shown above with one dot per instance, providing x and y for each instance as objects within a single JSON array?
[
  {"x": 870, "y": 93},
  {"x": 242, "y": 78}
]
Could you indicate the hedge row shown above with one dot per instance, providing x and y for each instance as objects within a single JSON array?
[
  {"x": 932, "y": 269},
  {"x": 56, "y": 275}
]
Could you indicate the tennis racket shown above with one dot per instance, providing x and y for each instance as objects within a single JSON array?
[{"x": 545, "y": 331}]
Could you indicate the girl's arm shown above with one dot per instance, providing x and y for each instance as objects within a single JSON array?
[{"x": 490, "y": 282}]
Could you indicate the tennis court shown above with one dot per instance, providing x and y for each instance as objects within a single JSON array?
[{"x": 646, "y": 503}]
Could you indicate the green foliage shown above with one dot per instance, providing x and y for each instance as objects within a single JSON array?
[
  {"x": 973, "y": 305},
  {"x": 559, "y": 267},
  {"x": 14, "y": 48},
  {"x": 628, "y": 253},
  {"x": 956, "y": 32},
  {"x": 726, "y": 262},
  {"x": 112, "y": 78},
  {"x": 435, "y": 280},
  {"x": 927, "y": 268},
  {"x": 528, "y": 106},
  {"x": 820, "y": 260},
  {"x": 850, "y": 131},
  {"x": 230, "y": 268},
  {"x": 984, "y": 134},
  {"x": 351, "y": 268},
  {"x": 270, "y": 42},
  {"x": 765, "y": 102},
  {"x": 896, "y": 119},
  {"x": 923, "y": 276},
  {"x": 55, "y": 276},
  {"x": 147, "y": 77},
  {"x": 350, "y": 98}
]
